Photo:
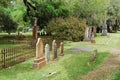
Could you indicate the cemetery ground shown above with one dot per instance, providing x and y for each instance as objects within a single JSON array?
[
  {"x": 74, "y": 65},
  {"x": 7, "y": 40}
]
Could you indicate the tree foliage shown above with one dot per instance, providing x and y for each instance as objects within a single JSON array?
[
  {"x": 46, "y": 10},
  {"x": 8, "y": 24},
  {"x": 93, "y": 11},
  {"x": 114, "y": 11}
]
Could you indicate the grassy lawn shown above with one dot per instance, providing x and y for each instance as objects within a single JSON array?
[
  {"x": 10, "y": 45},
  {"x": 116, "y": 76},
  {"x": 14, "y": 34},
  {"x": 69, "y": 67},
  {"x": 5, "y": 39}
]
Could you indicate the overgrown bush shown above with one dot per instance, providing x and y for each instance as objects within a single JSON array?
[{"x": 68, "y": 28}]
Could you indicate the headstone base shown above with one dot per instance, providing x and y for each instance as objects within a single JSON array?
[{"x": 39, "y": 63}]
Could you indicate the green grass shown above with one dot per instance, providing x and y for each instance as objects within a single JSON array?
[
  {"x": 5, "y": 39},
  {"x": 10, "y": 45},
  {"x": 14, "y": 34},
  {"x": 4, "y": 36},
  {"x": 6, "y": 45},
  {"x": 116, "y": 76},
  {"x": 69, "y": 67}
]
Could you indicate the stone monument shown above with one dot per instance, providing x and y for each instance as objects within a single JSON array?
[
  {"x": 39, "y": 61},
  {"x": 61, "y": 49},
  {"x": 54, "y": 49},
  {"x": 47, "y": 53}
]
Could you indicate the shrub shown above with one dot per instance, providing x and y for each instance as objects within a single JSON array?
[{"x": 68, "y": 28}]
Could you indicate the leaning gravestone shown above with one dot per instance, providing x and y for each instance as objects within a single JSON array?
[
  {"x": 104, "y": 29},
  {"x": 54, "y": 49},
  {"x": 39, "y": 60},
  {"x": 61, "y": 49},
  {"x": 47, "y": 53}
]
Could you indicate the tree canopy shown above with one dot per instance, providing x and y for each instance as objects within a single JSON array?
[{"x": 93, "y": 12}]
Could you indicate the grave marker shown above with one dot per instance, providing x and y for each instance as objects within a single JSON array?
[
  {"x": 47, "y": 53},
  {"x": 39, "y": 60},
  {"x": 61, "y": 49},
  {"x": 54, "y": 49}
]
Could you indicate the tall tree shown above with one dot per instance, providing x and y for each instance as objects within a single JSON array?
[
  {"x": 114, "y": 13},
  {"x": 6, "y": 23},
  {"x": 91, "y": 10},
  {"x": 45, "y": 10}
]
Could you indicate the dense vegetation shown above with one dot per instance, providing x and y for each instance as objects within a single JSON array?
[{"x": 20, "y": 13}]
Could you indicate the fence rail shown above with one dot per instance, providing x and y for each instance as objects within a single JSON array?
[{"x": 15, "y": 55}]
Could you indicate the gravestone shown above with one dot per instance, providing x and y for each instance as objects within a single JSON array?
[
  {"x": 39, "y": 61},
  {"x": 47, "y": 53},
  {"x": 104, "y": 29},
  {"x": 88, "y": 34},
  {"x": 54, "y": 49},
  {"x": 94, "y": 55},
  {"x": 61, "y": 49}
]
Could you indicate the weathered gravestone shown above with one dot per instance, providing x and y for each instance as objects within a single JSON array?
[
  {"x": 88, "y": 34},
  {"x": 61, "y": 49},
  {"x": 94, "y": 56},
  {"x": 47, "y": 53},
  {"x": 54, "y": 49},
  {"x": 104, "y": 29},
  {"x": 39, "y": 60}
]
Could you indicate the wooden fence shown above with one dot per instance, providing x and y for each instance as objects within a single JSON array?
[{"x": 12, "y": 56}]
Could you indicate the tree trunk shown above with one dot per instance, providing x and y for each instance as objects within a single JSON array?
[{"x": 104, "y": 29}]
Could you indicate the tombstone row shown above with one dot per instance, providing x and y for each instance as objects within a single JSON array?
[{"x": 40, "y": 60}]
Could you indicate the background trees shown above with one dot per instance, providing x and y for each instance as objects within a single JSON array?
[
  {"x": 46, "y": 10},
  {"x": 92, "y": 12},
  {"x": 6, "y": 23},
  {"x": 114, "y": 14}
]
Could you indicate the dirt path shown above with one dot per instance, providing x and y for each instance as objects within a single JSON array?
[{"x": 104, "y": 71}]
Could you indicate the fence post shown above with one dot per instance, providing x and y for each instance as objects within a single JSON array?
[{"x": 3, "y": 53}]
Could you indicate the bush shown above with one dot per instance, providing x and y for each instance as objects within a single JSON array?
[{"x": 68, "y": 28}]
